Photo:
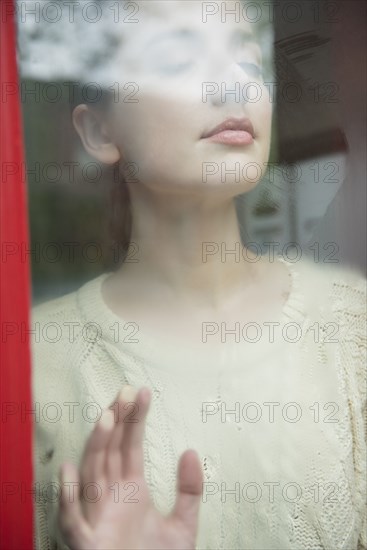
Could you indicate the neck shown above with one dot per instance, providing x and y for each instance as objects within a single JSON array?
[{"x": 187, "y": 247}]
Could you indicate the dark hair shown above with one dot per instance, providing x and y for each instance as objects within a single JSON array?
[{"x": 120, "y": 220}]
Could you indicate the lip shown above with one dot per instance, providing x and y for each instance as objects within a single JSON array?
[{"x": 233, "y": 131}]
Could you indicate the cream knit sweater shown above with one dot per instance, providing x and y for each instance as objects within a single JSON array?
[{"x": 279, "y": 421}]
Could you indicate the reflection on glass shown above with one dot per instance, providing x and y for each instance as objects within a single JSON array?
[{"x": 185, "y": 161}]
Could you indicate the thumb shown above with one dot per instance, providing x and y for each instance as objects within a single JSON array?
[
  {"x": 189, "y": 490},
  {"x": 73, "y": 525}
]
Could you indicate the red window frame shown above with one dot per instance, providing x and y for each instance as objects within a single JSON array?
[{"x": 16, "y": 442}]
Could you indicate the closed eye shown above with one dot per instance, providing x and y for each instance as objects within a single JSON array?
[
  {"x": 252, "y": 69},
  {"x": 175, "y": 68}
]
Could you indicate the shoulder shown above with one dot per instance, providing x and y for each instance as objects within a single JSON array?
[
  {"x": 56, "y": 308},
  {"x": 338, "y": 290},
  {"x": 57, "y": 346},
  {"x": 335, "y": 297},
  {"x": 51, "y": 322}
]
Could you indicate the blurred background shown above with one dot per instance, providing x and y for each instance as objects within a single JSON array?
[{"x": 313, "y": 195}]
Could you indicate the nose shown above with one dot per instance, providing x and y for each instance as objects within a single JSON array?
[{"x": 229, "y": 82}]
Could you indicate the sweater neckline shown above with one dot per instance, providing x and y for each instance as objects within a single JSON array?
[{"x": 93, "y": 309}]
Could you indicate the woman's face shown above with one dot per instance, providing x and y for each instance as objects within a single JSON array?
[{"x": 191, "y": 73}]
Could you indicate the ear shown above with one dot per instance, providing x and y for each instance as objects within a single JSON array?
[{"x": 93, "y": 132}]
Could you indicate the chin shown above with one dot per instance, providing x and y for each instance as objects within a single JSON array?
[{"x": 227, "y": 190}]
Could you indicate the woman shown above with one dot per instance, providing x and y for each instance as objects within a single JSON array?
[{"x": 255, "y": 364}]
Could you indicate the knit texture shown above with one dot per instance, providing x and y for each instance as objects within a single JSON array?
[{"x": 279, "y": 422}]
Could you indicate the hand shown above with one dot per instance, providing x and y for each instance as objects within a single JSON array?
[{"x": 113, "y": 457}]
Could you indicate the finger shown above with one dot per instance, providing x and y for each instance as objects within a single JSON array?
[
  {"x": 74, "y": 527},
  {"x": 93, "y": 461},
  {"x": 134, "y": 427},
  {"x": 189, "y": 490},
  {"x": 114, "y": 454},
  {"x": 125, "y": 396}
]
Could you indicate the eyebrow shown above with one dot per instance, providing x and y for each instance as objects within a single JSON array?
[
  {"x": 251, "y": 41},
  {"x": 248, "y": 36}
]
